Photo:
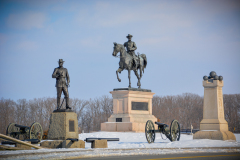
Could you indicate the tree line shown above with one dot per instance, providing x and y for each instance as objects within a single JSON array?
[{"x": 187, "y": 108}]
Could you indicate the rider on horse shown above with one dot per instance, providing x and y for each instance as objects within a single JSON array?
[{"x": 131, "y": 47}]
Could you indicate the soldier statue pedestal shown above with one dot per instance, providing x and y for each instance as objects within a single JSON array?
[
  {"x": 132, "y": 108},
  {"x": 63, "y": 125},
  {"x": 63, "y": 128},
  {"x": 213, "y": 124}
]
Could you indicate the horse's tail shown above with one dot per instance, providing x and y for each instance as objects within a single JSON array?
[{"x": 144, "y": 61}]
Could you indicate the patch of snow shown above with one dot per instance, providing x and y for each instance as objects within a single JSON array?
[
  {"x": 130, "y": 144},
  {"x": 138, "y": 140}
]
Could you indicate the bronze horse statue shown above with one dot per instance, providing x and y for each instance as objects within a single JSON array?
[{"x": 126, "y": 62}]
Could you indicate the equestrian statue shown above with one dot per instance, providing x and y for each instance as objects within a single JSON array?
[{"x": 129, "y": 61}]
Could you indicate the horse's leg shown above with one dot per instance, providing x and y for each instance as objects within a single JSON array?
[
  {"x": 119, "y": 70},
  {"x": 139, "y": 78},
  {"x": 141, "y": 71},
  {"x": 129, "y": 77}
]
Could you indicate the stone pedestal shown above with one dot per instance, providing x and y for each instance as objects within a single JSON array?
[
  {"x": 132, "y": 108},
  {"x": 213, "y": 124},
  {"x": 99, "y": 144},
  {"x": 63, "y": 125},
  {"x": 63, "y": 144}
]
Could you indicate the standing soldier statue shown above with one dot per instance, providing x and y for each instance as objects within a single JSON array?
[
  {"x": 131, "y": 47},
  {"x": 61, "y": 75}
]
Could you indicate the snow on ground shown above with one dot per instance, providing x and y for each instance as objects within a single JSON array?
[
  {"x": 129, "y": 144},
  {"x": 138, "y": 140}
]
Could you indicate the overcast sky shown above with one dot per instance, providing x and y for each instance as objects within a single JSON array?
[{"x": 183, "y": 41}]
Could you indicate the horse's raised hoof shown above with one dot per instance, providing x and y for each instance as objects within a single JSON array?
[{"x": 119, "y": 80}]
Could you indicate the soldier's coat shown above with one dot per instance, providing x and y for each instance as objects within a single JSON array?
[{"x": 63, "y": 75}]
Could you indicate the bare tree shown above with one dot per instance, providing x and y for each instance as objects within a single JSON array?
[
  {"x": 231, "y": 111},
  {"x": 186, "y": 108},
  {"x": 7, "y": 108}
]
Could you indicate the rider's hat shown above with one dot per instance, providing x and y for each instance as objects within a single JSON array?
[
  {"x": 61, "y": 60},
  {"x": 129, "y": 35}
]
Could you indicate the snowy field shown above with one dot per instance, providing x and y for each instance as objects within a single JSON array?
[
  {"x": 129, "y": 144},
  {"x": 138, "y": 140}
]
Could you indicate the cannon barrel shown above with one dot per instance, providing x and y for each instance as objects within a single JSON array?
[
  {"x": 161, "y": 124},
  {"x": 21, "y": 126},
  {"x": 108, "y": 139},
  {"x": 73, "y": 139}
]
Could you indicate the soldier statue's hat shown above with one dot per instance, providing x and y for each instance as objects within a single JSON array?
[
  {"x": 129, "y": 35},
  {"x": 61, "y": 60}
]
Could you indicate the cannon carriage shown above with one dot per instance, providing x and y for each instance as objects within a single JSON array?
[
  {"x": 172, "y": 132},
  {"x": 24, "y": 132}
]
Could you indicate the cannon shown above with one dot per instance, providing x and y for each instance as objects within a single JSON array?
[
  {"x": 172, "y": 132},
  {"x": 24, "y": 132}
]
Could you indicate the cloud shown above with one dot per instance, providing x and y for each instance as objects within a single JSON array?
[
  {"x": 111, "y": 15},
  {"x": 27, "y": 20},
  {"x": 27, "y": 46}
]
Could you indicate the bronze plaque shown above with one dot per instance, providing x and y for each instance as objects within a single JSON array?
[
  {"x": 71, "y": 126},
  {"x": 118, "y": 119},
  {"x": 140, "y": 106}
]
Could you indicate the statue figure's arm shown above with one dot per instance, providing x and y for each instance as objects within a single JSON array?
[
  {"x": 67, "y": 77},
  {"x": 134, "y": 47},
  {"x": 55, "y": 75},
  {"x": 125, "y": 44}
]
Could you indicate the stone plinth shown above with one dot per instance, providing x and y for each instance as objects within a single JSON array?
[
  {"x": 63, "y": 125},
  {"x": 22, "y": 146},
  {"x": 63, "y": 144},
  {"x": 215, "y": 135},
  {"x": 213, "y": 124},
  {"x": 99, "y": 144},
  {"x": 131, "y": 110}
]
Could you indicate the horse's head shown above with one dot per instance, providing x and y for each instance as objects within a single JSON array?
[{"x": 116, "y": 49}]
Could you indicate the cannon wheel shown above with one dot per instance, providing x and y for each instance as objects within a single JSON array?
[
  {"x": 36, "y": 131},
  {"x": 175, "y": 131},
  {"x": 150, "y": 131},
  {"x": 12, "y": 128}
]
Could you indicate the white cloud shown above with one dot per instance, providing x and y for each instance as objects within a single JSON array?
[
  {"x": 27, "y": 46},
  {"x": 27, "y": 20},
  {"x": 108, "y": 15}
]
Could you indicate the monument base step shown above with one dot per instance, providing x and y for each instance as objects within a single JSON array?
[
  {"x": 135, "y": 118},
  {"x": 99, "y": 144},
  {"x": 63, "y": 144},
  {"x": 123, "y": 127},
  {"x": 215, "y": 135},
  {"x": 214, "y": 124}
]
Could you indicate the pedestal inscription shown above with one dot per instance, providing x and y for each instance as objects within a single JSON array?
[
  {"x": 140, "y": 106},
  {"x": 71, "y": 126},
  {"x": 118, "y": 119}
]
